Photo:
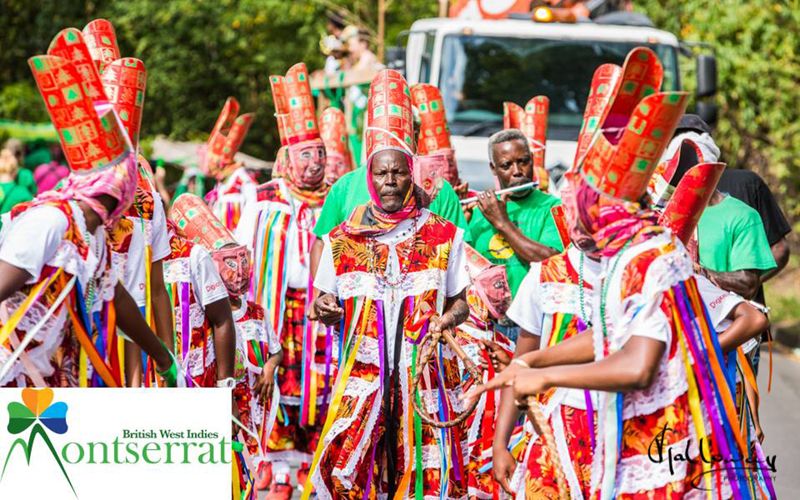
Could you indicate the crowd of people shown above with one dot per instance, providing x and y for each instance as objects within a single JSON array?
[{"x": 386, "y": 332}]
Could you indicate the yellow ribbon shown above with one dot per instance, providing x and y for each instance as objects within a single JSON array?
[
  {"x": 15, "y": 318},
  {"x": 341, "y": 383},
  {"x": 694, "y": 402},
  {"x": 148, "y": 294}
]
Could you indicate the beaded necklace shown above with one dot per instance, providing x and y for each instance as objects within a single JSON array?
[
  {"x": 585, "y": 320},
  {"x": 89, "y": 295},
  {"x": 404, "y": 261},
  {"x": 605, "y": 286}
]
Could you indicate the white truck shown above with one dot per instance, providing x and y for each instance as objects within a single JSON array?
[{"x": 480, "y": 63}]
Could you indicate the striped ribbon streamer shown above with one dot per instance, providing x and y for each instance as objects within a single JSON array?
[
  {"x": 341, "y": 382},
  {"x": 36, "y": 292}
]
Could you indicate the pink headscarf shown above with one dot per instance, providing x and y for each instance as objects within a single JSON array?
[
  {"x": 117, "y": 180},
  {"x": 371, "y": 219}
]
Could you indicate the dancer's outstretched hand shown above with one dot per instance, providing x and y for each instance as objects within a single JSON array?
[
  {"x": 502, "y": 379},
  {"x": 528, "y": 382}
]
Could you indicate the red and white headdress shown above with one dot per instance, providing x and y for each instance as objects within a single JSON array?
[
  {"x": 627, "y": 137},
  {"x": 102, "y": 42},
  {"x": 389, "y": 122},
  {"x": 294, "y": 106},
  {"x": 333, "y": 129},
  {"x": 92, "y": 137},
  {"x": 436, "y": 158},
  {"x": 531, "y": 121},
  {"x": 196, "y": 223},
  {"x": 226, "y": 138}
]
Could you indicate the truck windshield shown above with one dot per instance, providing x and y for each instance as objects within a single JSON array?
[{"x": 478, "y": 73}]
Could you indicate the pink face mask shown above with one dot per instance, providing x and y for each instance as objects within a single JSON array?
[
  {"x": 233, "y": 264},
  {"x": 335, "y": 167},
  {"x": 451, "y": 175},
  {"x": 430, "y": 171},
  {"x": 492, "y": 287},
  {"x": 307, "y": 163}
]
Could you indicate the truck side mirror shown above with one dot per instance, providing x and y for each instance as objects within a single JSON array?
[
  {"x": 707, "y": 110},
  {"x": 396, "y": 59},
  {"x": 706, "y": 75}
]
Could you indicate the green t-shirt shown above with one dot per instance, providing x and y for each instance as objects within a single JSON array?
[
  {"x": 12, "y": 194},
  {"x": 532, "y": 216},
  {"x": 731, "y": 237},
  {"x": 26, "y": 180},
  {"x": 351, "y": 191}
]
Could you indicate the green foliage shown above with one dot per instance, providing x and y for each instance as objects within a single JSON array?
[
  {"x": 756, "y": 44},
  {"x": 21, "y": 101},
  {"x": 197, "y": 53}
]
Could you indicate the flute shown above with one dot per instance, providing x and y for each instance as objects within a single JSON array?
[{"x": 514, "y": 189}]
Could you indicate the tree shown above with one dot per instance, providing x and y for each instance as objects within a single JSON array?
[{"x": 756, "y": 44}]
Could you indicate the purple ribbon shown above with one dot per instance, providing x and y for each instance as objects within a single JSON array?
[
  {"x": 715, "y": 416},
  {"x": 590, "y": 416}
]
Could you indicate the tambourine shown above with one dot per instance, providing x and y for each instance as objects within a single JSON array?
[{"x": 424, "y": 356}]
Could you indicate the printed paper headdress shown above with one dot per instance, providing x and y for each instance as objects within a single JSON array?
[
  {"x": 633, "y": 131},
  {"x": 436, "y": 158},
  {"x": 92, "y": 137},
  {"x": 102, "y": 42},
  {"x": 669, "y": 173},
  {"x": 434, "y": 135},
  {"x": 333, "y": 129},
  {"x": 196, "y": 222},
  {"x": 615, "y": 92},
  {"x": 690, "y": 183},
  {"x": 294, "y": 106},
  {"x": 124, "y": 79},
  {"x": 226, "y": 138},
  {"x": 532, "y": 121},
  {"x": 690, "y": 198},
  {"x": 489, "y": 281},
  {"x": 71, "y": 88},
  {"x": 389, "y": 122}
]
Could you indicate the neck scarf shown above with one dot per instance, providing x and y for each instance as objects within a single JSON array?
[
  {"x": 371, "y": 219},
  {"x": 117, "y": 181},
  {"x": 612, "y": 222}
]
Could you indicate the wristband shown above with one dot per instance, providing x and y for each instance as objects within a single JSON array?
[
  {"x": 170, "y": 375},
  {"x": 518, "y": 361},
  {"x": 229, "y": 383}
]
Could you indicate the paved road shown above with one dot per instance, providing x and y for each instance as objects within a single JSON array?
[{"x": 780, "y": 415}]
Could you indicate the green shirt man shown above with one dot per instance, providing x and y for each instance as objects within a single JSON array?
[
  {"x": 351, "y": 191},
  {"x": 731, "y": 237},
  {"x": 532, "y": 216}
]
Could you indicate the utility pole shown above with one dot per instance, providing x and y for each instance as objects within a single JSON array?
[
  {"x": 381, "y": 27},
  {"x": 443, "y": 4}
]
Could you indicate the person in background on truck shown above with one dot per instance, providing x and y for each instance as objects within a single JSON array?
[
  {"x": 360, "y": 56},
  {"x": 331, "y": 45},
  {"x": 572, "y": 10},
  {"x": 517, "y": 229}
]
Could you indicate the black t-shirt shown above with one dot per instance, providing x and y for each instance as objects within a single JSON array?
[{"x": 750, "y": 188}]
